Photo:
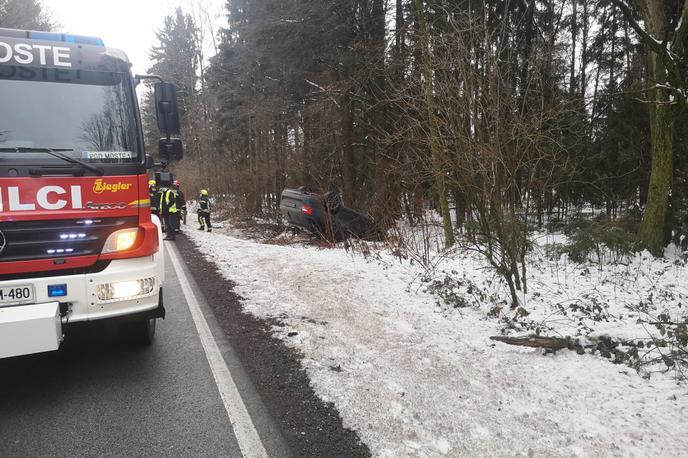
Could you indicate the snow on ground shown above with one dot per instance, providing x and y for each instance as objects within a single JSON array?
[
  {"x": 417, "y": 380},
  {"x": 637, "y": 287}
]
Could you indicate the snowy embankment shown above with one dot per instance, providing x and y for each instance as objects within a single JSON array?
[{"x": 415, "y": 379}]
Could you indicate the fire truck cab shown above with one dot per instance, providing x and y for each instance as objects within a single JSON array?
[{"x": 77, "y": 240}]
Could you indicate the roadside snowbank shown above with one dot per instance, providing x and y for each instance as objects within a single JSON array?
[{"x": 416, "y": 380}]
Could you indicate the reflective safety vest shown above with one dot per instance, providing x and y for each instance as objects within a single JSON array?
[
  {"x": 154, "y": 195},
  {"x": 204, "y": 205},
  {"x": 171, "y": 201}
]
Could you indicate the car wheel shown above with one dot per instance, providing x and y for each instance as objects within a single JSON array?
[{"x": 333, "y": 201}]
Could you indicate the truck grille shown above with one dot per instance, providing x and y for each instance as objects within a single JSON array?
[{"x": 32, "y": 240}]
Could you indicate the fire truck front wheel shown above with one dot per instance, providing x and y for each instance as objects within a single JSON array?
[{"x": 141, "y": 332}]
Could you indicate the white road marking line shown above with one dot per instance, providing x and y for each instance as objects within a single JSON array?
[{"x": 244, "y": 430}]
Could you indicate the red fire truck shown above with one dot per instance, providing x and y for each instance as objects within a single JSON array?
[{"x": 77, "y": 240}]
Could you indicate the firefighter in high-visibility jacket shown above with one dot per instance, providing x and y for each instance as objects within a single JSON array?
[
  {"x": 172, "y": 205},
  {"x": 154, "y": 195},
  {"x": 204, "y": 211}
]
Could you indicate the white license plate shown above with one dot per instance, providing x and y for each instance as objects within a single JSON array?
[{"x": 16, "y": 295}]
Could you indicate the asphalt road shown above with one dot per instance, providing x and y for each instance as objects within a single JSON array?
[{"x": 99, "y": 397}]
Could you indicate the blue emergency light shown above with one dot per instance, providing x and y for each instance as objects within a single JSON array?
[
  {"x": 57, "y": 290},
  {"x": 76, "y": 39}
]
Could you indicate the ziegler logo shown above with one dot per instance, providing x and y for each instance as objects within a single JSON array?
[{"x": 100, "y": 186}]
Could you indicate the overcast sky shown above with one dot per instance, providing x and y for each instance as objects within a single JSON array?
[{"x": 129, "y": 25}]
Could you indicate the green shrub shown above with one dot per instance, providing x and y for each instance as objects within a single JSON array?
[
  {"x": 596, "y": 241},
  {"x": 630, "y": 220}
]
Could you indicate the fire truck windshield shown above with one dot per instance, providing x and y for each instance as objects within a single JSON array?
[{"x": 91, "y": 116}]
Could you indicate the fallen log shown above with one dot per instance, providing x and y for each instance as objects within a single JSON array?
[{"x": 550, "y": 343}]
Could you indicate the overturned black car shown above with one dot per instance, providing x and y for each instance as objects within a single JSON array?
[{"x": 324, "y": 215}]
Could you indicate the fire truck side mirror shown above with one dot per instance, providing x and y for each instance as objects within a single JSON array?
[
  {"x": 170, "y": 149},
  {"x": 166, "y": 109}
]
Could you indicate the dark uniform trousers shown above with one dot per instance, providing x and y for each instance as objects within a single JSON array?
[{"x": 204, "y": 213}]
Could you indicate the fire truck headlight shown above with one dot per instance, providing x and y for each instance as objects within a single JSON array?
[
  {"x": 121, "y": 240},
  {"x": 125, "y": 290}
]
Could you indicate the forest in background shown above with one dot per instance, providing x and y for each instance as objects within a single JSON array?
[
  {"x": 489, "y": 112},
  {"x": 501, "y": 116}
]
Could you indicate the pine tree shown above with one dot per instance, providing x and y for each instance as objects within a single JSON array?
[{"x": 24, "y": 14}]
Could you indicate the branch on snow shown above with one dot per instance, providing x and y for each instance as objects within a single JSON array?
[{"x": 550, "y": 343}]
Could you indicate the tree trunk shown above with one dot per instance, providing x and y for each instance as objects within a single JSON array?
[
  {"x": 257, "y": 188},
  {"x": 348, "y": 150},
  {"x": 435, "y": 147},
  {"x": 652, "y": 227},
  {"x": 306, "y": 146},
  {"x": 584, "y": 49},
  {"x": 574, "y": 36},
  {"x": 662, "y": 127},
  {"x": 378, "y": 83}
]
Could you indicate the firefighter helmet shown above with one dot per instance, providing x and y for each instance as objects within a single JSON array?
[
  {"x": 204, "y": 192},
  {"x": 151, "y": 182}
]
